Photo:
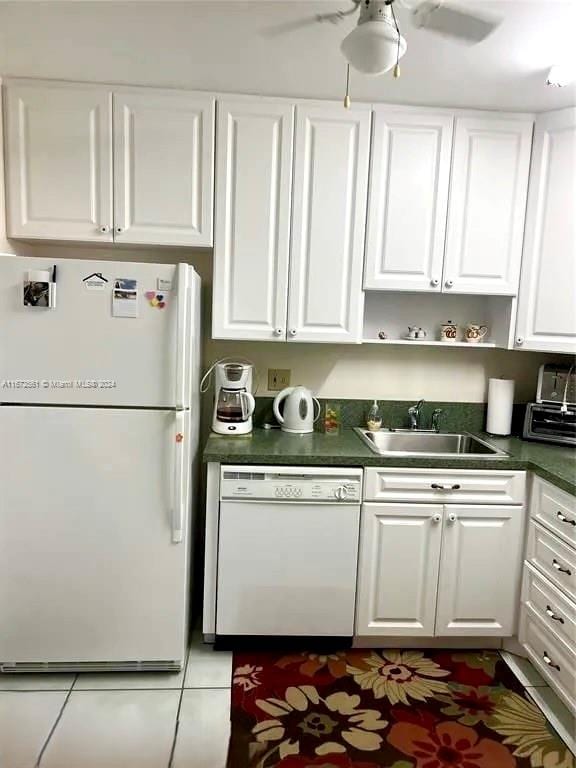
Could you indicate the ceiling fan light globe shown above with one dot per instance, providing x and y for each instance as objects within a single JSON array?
[{"x": 372, "y": 47}]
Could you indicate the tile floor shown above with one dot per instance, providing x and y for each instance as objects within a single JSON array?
[
  {"x": 150, "y": 720},
  {"x": 132, "y": 720}
]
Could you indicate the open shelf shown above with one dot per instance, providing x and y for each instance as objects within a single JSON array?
[
  {"x": 426, "y": 343},
  {"x": 392, "y": 313}
]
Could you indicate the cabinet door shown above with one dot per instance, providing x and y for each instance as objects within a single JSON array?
[
  {"x": 398, "y": 569},
  {"x": 487, "y": 204},
  {"x": 328, "y": 224},
  {"x": 547, "y": 302},
  {"x": 478, "y": 591},
  {"x": 163, "y": 167},
  {"x": 59, "y": 160},
  {"x": 252, "y": 236},
  {"x": 409, "y": 173}
]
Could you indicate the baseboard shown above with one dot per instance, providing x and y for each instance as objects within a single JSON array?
[
  {"x": 512, "y": 645},
  {"x": 427, "y": 642}
]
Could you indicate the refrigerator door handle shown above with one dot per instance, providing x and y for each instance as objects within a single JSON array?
[
  {"x": 181, "y": 309},
  {"x": 179, "y": 455}
]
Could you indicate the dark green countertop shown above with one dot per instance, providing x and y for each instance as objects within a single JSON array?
[{"x": 554, "y": 463}]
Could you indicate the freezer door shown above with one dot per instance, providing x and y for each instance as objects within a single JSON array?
[
  {"x": 81, "y": 351},
  {"x": 92, "y": 566}
]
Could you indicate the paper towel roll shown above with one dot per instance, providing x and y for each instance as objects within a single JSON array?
[{"x": 500, "y": 403}]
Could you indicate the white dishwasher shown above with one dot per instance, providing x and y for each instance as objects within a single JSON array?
[{"x": 288, "y": 551}]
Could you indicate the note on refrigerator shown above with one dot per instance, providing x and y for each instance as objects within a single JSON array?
[{"x": 125, "y": 298}]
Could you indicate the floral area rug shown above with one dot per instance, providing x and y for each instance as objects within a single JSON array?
[{"x": 399, "y": 709}]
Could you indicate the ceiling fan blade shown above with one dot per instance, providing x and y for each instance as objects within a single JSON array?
[
  {"x": 334, "y": 17},
  {"x": 288, "y": 26},
  {"x": 454, "y": 22}
]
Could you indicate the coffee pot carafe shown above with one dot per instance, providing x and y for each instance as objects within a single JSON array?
[{"x": 233, "y": 399}]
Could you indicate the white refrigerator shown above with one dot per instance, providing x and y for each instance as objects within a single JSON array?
[{"x": 99, "y": 421}]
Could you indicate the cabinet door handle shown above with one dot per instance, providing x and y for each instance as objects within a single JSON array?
[
  {"x": 564, "y": 519},
  {"x": 520, "y": 340},
  {"x": 452, "y": 517},
  {"x": 437, "y": 518},
  {"x": 104, "y": 229},
  {"x": 278, "y": 331},
  {"x": 548, "y": 660},
  {"x": 560, "y": 568},
  {"x": 553, "y": 616},
  {"x": 119, "y": 230},
  {"x": 434, "y": 281},
  {"x": 440, "y": 487},
  {"x": 292, "y": 331},
  {"x": 449, "y": 283}
]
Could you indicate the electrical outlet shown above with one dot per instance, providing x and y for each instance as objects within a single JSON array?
[{"x": 278, "y": 378}]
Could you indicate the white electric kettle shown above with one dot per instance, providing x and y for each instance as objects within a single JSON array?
[{"x": 297, "y": 415}]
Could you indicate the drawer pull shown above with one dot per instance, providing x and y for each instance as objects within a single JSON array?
[
  {"x": 548, "y": 660},
  {"x": 564, "y": 519},
  {"x": 439, "y": 487},
  {"x": 553, "y": 616},
  {"x": 560, "y": 568}
]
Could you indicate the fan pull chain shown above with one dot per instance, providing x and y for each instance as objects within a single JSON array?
[
  {"x": 347, "y": 101},
  {"x": 397, "y": 65}
]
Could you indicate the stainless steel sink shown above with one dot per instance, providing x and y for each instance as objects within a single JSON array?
[{"x": 413, "y": 443}]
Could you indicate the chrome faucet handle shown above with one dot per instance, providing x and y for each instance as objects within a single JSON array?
[
  {"x": 436, "y": 413},
  {"x": 414, "y": 413}
]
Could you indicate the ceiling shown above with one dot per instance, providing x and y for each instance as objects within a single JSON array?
[{"x": 236, "y": 46}]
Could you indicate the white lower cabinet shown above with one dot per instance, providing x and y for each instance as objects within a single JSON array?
[
  {"x": 398, "y": 569},
  {"x": 479, "y": 584},
  {"x": 439, "y": 570}
]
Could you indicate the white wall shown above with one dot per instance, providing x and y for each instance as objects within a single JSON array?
[
  {"x": 276, "y": 48},
  {"x": 4, "y": 246}
]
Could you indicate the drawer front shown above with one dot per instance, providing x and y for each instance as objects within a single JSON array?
[
  {"x": 551, "y": 659},
  {"x": 555, "y": 610},
  {"x": 555, "y": 509},
  {"x": 553, "y": 558},
  {"x": 458, "y": 486}
]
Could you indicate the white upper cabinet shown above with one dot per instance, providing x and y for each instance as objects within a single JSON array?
[
  {"x": 252, "y": 234},
  {"x": 407, "y": 204},
  {"x": 487, "y": 203},
  {"x": 163, "y": 167},
  {"x": 478, "y": 589},
  {"x": 58, "y": 161},
  {"x": 328, "y": 223},
  {"x": 399, "y": 545},
  {"x": 80, "y": 169},
  {"x": 547, "y": 301}
]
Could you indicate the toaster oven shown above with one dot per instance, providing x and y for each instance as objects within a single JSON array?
[{"x": 552, "y": 418}]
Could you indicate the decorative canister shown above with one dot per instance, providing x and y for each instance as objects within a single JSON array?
[
  {"x": 475, "y": 333},
  {"x": 448, "y": 331}
]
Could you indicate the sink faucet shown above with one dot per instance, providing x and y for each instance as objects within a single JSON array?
[{"x": 414, "y": 414}]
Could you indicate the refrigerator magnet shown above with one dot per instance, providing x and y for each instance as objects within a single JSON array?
[
  {"x": 155, "y": 299},
  {"x": 95, "y": 282},
  {"x": 125, "y": 298},
  {"x": 39, "y": 289}
]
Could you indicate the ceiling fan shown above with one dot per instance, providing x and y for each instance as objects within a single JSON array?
[{"x": 376, "y": 44}]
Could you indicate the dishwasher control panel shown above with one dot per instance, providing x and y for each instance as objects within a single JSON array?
[{"x": 291, "y": 484}]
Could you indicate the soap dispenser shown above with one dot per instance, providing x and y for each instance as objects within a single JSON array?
[{"x": 374, "y": 420}]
